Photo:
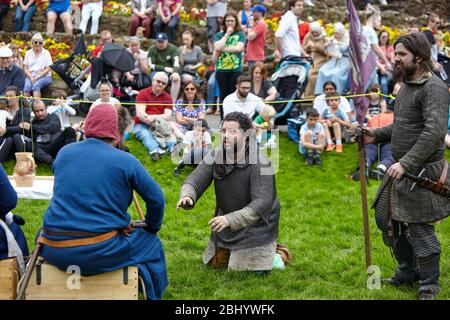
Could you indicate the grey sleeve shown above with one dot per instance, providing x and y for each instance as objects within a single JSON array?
[
  {"x": 383, "y": 134},
  {"x": 199, "y": 55},
  {"x": 435, "y": 102},
  {"x": 242, "y": 218},
  {"x": 188, "y": 190},
  {"x": 199, "y": 180}
]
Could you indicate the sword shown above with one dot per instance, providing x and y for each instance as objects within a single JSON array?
[
  {"x": 427, "y": 183},
  {"x": 421, "y": 173}
]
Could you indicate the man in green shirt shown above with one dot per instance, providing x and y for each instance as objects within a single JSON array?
[{"x": 163, "y": 56}]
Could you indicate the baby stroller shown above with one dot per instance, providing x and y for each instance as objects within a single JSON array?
[
  {"x": 72, "y": 72},
  {"x": 290, "y": 80},
  {"x": 445, "y": 72}
]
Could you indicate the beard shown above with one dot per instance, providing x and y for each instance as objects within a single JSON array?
[
  {"x": 243, "y": 94},
  {"x": 402, "y": 72}
]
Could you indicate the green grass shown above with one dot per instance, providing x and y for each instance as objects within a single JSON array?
[{"x": 321, "y": 223}]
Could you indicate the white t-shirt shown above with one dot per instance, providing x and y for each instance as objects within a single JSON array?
[
  {"x": 112, "y": 101},
  {"x": 370, "y": 34},
  {"x": 189, "y": 139},
  {"x": 288, "y": 30},
  {"x": 36, "y": 64},
  {"x": 318, "y": 128},
  {"x": 63, "y": 113},
  {"x": 249, "y": 106},
  {"x": 218, "y": 9},
  {"x": 320, "y": 104}
]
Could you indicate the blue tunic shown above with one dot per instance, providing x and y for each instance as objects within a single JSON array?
[
  {"x": 336, "y": 70},
  {"x": 8, "y": 201},
  {"x": 93, "y": 189}
]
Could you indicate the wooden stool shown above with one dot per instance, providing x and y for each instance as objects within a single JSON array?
[
  {"x": 9, "y": 277},
  {"x": 50, "y": 283}
]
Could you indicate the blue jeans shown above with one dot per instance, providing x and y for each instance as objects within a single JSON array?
[
  {"x": 385, "y": 154},
  {"x": 23, "y": 18},
  {"x": 38, "y": 85},
  {"x": 143, "y": 134},
  {"x": 384, "y": 80},
  {"x": 172, "y": 27},
  {"x": 212, "y": 91}
]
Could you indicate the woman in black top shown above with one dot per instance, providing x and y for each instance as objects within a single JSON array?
[{"x": 260, "y": 86}]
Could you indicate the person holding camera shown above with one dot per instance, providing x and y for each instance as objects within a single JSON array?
[{"x": 47, "y": 132}]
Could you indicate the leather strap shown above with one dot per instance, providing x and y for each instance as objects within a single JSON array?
[
  {"x": 441, "y": 180},
  {"x": 77, "y": 242}
]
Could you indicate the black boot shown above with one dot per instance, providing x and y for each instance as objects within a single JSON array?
[
  {"x": 429, "y": 276},
  {"x": 406, "y": 272},
  {"x": 310, "y": 159},
  {"x": 178, "y": 169}
]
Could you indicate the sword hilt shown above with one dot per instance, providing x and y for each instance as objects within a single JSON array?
[{"x": 415, "y": 178}]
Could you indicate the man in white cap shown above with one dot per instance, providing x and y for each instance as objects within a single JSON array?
[{"x": 10, "y": 74}]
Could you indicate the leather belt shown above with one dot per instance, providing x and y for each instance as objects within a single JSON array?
[{"x": 77, "y": 242}]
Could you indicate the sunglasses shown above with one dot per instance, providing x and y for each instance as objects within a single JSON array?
[
  {"x": 161, "y": 82},
  {"x": 189, "y": 89},
  {"x": 38, "y": 42}
]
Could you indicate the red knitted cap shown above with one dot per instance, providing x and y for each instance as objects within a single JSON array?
[{"x": 101, "y": 122}]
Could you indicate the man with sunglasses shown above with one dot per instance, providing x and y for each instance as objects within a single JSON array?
[
  {"x": 153, "y": 103},
  {"x": 10, "y": 74}
]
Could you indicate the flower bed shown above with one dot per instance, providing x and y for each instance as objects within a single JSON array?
[{"x": 116, "y": 9}]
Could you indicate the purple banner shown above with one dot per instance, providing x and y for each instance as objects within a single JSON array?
[{"x": 362, "y": 61}]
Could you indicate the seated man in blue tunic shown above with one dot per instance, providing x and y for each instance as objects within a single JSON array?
[{"x": 94, "y": 185}]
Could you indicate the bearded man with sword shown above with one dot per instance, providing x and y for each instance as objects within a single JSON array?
[{"x": 405, "y": 208}]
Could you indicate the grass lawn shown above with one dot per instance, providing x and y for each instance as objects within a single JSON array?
[{"x": 321, "y": 223}]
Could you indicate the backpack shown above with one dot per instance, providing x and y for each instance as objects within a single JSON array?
[{"x": 294, "y": 125}]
